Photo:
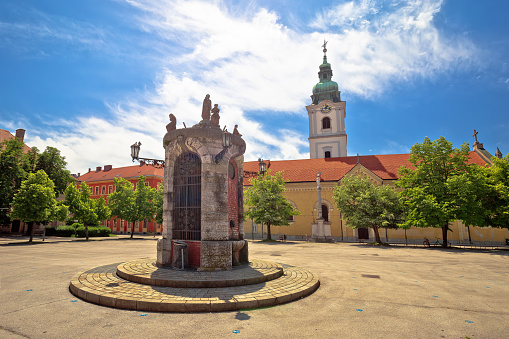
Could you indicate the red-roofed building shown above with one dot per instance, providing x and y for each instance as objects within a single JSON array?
[
  {"x": 101, "y": 182},
  {"x": 20, "y": 134}
]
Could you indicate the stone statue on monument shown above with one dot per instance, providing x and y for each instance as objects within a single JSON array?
[
  {"x": 214, "y": 120},
  {"x": 173, "y": 123},
  {"x": 236, "y": 131},
  {"x": 205, "y": 111}
]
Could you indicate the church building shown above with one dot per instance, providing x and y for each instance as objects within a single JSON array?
[{"x": 329, "y": 163}]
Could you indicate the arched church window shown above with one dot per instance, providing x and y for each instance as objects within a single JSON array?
[
  {"x": 325, "y": 213},
  {"x": 325, "y": 123},
  {"x": 187, "y": 197},
  {"x": 327, "y": 154}
]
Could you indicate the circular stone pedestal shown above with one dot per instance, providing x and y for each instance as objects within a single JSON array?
[{"x": 141, "y": 285}]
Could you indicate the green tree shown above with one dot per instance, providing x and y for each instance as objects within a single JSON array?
[
  {"x": 157, "y": 201},
  {"x": 102, "y": 211},
  {"x": 15, "y": 164},
  {"x": 54, "y": 164},
  {"x": 13, "y": 170},
  {"x": 441, "y": 187},
  {"x": 267, "y": 203},
  {"x": 82, "y": 207},
  {"x": 496, "y": 201},
  {"x": 35, "y": 201},
  {"x": 131, "y": 205},
  {"x": 364, "y": 204}
]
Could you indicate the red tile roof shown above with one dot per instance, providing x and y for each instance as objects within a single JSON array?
[
  {"x": 6, "y": 135},
  {"x": 385, "y": 166},
  {"x": 122, "y": 172}
]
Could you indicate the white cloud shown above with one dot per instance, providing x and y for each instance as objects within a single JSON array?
[{"x": 249, "y": 62}]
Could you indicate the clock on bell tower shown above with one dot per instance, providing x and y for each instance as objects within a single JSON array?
[{"x": 327, "y": 136}]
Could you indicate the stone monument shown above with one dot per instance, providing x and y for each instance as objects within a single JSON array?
[{"x": 203, "y": 194}]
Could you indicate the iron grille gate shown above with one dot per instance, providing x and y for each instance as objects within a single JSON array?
[{"x": 187, "y": 198}]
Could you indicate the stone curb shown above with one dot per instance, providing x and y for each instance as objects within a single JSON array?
[
  {"x": 101, "y": 285},
  {"x": 145, "y": 271}
]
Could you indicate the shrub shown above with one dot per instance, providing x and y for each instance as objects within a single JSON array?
[
  {"x": 93, "y": 231},
  {"x": 50, "y": 231},
  {"x": 64, "y": 231}
]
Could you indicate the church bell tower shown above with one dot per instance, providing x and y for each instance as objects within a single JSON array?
[{"x": 327, "y": 136}]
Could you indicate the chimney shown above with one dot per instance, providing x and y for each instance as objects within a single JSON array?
[
  {"x": 20, "y": 134},
  {"x": 98, "y": 169},
  {"x": 89, "y": 169},
  {"x": 107, "y": 168}
]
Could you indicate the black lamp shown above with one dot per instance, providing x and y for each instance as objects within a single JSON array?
[
  {"x": 227, "y": 138},
  {"x": 262, "y": 165},
  {"x": 135, "y": 150}
]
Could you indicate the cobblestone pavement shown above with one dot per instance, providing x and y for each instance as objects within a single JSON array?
[
  {"x": 365, "y": 292},
  {"x": 101, "y": 285}
]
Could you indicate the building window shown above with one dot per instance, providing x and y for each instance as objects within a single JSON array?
[
  {"x": 327, "y": 154},
  {"x": 103, "y": 191},
  {"x": 146, "y": 183},
  {"x": 96, "y": 190},
  {"x": 326, "y": 123},
  {"x": 110, "y": 189}
]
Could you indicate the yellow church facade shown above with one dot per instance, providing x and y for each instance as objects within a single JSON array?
[{"x": 330, "y": 163}]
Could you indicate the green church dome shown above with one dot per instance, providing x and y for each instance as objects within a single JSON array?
[
  {"x": 323, "y": 87},
  {"x": 326, "y": 89}
]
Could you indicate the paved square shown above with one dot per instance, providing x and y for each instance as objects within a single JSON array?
[{"x": 365, "y": 292}]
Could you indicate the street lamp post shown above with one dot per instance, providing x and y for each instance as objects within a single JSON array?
[{"x": 135, "y": 151}]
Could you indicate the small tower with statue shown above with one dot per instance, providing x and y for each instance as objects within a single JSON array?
[
  {"x": 203, "y": 194},
  {"x": 327, "y": 136}
]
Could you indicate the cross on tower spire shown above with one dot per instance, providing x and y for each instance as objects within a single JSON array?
[{"x": 324, "y": 51}]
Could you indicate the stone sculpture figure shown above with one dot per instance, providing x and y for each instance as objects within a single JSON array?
[
  {"x": 236, "y": 131},
  {"x": 205, "y": 111},
  {"x": 214, "y": 120},
  {"x": 173, "y": 123}
]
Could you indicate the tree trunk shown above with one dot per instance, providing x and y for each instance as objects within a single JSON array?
[
  {"x": 132, "y": 230},
  {"x": 445, "y": 229},
  {"x": 377, "y": 234},
  {"x": 31, "y": 230},
  {"x": 269, "y": 236},
  {"x": 86, "y": 230}
]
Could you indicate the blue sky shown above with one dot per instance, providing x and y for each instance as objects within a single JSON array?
[{"x": 92, "y": 77}]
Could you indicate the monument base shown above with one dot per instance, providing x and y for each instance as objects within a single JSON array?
[
  {"x": 321, "y": 231},
  {"x": 215, "y": 255}
]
